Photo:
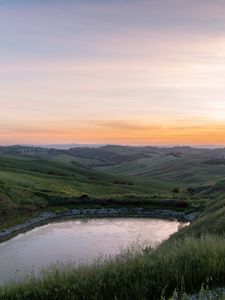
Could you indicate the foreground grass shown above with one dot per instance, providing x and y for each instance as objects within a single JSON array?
[{"x": 183, "y": 265}]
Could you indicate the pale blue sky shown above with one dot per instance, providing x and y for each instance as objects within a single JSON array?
[{"x": 76, "y": 71}]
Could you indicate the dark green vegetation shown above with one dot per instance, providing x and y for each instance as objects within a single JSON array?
[{"x": 33, "y": 179}]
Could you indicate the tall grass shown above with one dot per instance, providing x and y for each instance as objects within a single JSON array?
[{"x": 182, "y": 265}]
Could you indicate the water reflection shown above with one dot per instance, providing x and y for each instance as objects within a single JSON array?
[{"x": 76, "y": 240}]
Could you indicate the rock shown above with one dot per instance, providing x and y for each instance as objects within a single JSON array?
[
  {"x": 191, "y": 216},
  {"x": 218, "y": 293},
  {"x": 75, "y": 211}
]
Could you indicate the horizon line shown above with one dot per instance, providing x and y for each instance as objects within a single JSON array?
[{"x": 206, "y": 146}]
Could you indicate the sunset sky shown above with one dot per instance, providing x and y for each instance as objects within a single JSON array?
[{"x": 112, "y": 71}]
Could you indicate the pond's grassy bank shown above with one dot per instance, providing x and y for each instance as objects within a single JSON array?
[
  {"x": 183, "y": 265},
  {"x": 185, "y": 262},
  {"x": 66, "y": 204}
]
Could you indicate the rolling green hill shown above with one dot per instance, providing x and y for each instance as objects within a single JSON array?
[
  {"x": 189, "y": 262},
  {"x": 36, "y": 179},
  {"x": 180, "y": 170},
  {"x": 33, "y": 178},
  {"x": 26, "y": 179}
]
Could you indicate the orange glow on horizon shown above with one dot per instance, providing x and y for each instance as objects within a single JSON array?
[{"x": 121, "y": 133}]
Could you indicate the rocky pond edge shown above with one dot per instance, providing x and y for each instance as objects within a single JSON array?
[{"x": 136, "y": 212}]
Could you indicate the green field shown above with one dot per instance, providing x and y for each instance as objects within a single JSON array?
[
  {"x": 32, "y": 179},
  {"x": 37, "y": 179},
  {"x": 183, "y": 170},
  {"x": 30, "y": 184}
]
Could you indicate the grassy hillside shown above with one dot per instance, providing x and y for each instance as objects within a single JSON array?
[
  {"x": 173, "y": 170},
  {"x": 36, "y": 181},
  {"x": 30, "y": 184},
  {"x": 33, "y": 178}
]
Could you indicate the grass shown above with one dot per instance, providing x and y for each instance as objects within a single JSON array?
[
  {"x": 190, "y": 258},
  {"x": 211, "y": 221},
  {"x": 170, "y": 171},
  {"x": 30, "y": 184},
  {"x": 180, "y": 265}
]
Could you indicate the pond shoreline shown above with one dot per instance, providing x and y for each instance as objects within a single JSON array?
[{"x": 103, "y": 212}]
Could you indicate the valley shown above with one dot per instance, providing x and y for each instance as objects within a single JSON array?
[{"x": 39, "y": 186}]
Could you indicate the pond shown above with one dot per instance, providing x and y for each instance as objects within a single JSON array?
[{"x": 77, "y": 241}]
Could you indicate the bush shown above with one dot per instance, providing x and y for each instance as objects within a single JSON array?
[
  {"x": 176, "y": 191},
  {"x": 84, "y": 196}
]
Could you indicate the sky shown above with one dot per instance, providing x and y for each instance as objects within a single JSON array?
[{"x": 143, "y": 72}]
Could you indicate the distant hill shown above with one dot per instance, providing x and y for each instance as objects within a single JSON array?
[
  {"x": 32, "y": 178},
  {"x": 170, "y": 165},
  {"x": 67, "y": 146}
]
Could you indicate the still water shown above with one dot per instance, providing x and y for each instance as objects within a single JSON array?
[{"x": 77, "y": 241}]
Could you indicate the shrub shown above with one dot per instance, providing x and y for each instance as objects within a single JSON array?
[
  {"x": 84, "y": 196},
  {"x": 176, "y": 191}
]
